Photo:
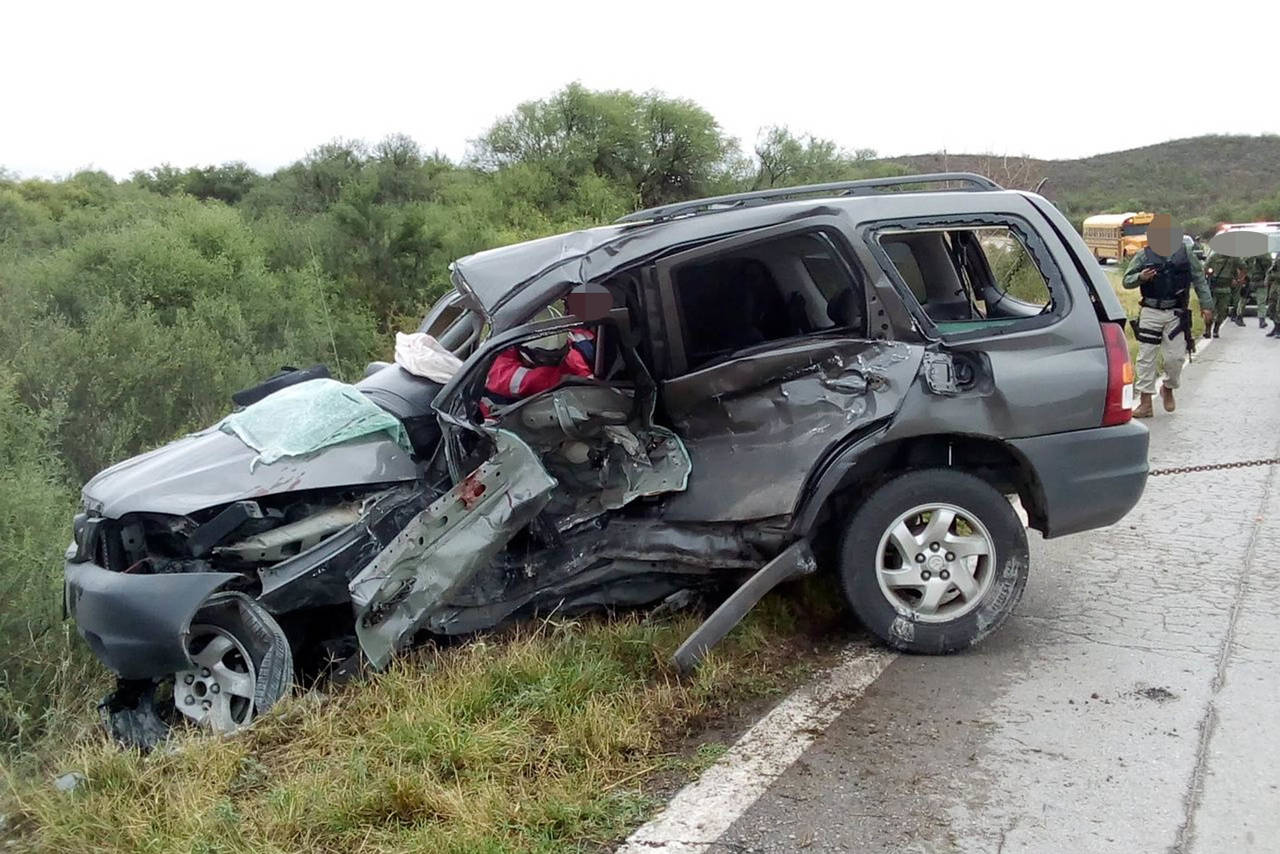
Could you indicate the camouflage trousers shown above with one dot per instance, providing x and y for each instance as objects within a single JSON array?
[
  {"x": 1259, "y": 291},
  {"x": 1223, "y": 299},
  {"x": 1158, "y": 330},
  {"x": 1273, "y": 302}
]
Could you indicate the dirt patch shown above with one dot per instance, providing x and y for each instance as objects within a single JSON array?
[{"x": 1156, "y": 694}]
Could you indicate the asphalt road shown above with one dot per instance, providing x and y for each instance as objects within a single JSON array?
[{"x": 1130, "y": 705}]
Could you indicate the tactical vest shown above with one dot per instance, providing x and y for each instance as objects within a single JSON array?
[{"x": 1173, "y": 278}]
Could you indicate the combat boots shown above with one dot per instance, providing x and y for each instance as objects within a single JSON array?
[
  {"x": 1275, "y": 331},
  {"x": 1217, "y": 325},
  {"x": 1262, "y": 322},
  {"x": 1166, "y": 395},
  {"x": 1143, "y": 409},
  {"x": 1238, "y": 320}
]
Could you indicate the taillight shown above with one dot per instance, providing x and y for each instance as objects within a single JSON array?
[{"x": 1119, "y": 408}]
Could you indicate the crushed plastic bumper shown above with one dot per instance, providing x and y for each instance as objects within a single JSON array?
[{"x": 137, "y": 624}]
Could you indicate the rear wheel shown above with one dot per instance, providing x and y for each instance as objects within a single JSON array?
[{"x": 934, "y": 560}]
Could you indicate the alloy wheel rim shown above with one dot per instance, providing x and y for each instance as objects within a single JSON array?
[
  {"x": 935, "y": 562},
  {"x": 218, "y": 692}
]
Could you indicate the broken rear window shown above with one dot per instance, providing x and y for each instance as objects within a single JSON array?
[{"x": 974, "y": 279}]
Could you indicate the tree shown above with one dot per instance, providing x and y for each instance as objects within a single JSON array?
[
  {"x": 399, "y": 166},
  {"x": 326, "y": 169},
  {"x": 685, "y": 151},
  {"x": 165, "y": 179},
  {"x": 658, "y": 149},
  {"x": 575, "y": 131},
  {"x": 787, "y": 160},
  {"x": 229, "y": 182},
  {"x": 1019, "y": 172}
]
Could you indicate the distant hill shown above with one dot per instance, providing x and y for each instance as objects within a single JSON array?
[{"x": 1202, "y": 180}]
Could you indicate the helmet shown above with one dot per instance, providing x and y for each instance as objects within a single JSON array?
[{"x": 550, "y": 349}]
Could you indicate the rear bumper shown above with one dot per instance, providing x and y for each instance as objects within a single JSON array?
[
  {"x": 137, "y": 624},
  {"x": 1087, "y": 478}
]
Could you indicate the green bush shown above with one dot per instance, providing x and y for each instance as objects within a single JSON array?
[{"x": 45, "y": 680}]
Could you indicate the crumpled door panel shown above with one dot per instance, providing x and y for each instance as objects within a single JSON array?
[
  {"x": 572, "y": 454},
  {"x": 755, "y": 426},
  {"x": 443, "y": 547},
  {"x": 603, "y": 456}
]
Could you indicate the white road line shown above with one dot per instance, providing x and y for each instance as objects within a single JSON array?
[{"x": 702, "y": 811}]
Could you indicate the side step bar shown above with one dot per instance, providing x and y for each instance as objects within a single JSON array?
[{"x": 792, "y": 562}]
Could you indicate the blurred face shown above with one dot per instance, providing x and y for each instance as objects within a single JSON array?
[
  {"x": 1164, "y": 235},
  {"x": 589, "y": 302}
]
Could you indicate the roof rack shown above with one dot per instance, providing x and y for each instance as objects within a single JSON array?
[{"x": 863, "y": 187}]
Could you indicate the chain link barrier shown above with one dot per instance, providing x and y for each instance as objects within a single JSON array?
[{"x": 1213, "y": 467}]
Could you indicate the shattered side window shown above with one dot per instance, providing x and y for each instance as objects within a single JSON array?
[
  {"x": 1014, "y": 273},
  {"x": 752, "y": 295},
  {"x": 972, "y": 278}
]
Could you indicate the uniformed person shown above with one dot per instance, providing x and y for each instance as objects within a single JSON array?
[
  {"x": 1273, "y": 298},
  {"x": 1256, "y": 276},
  {"x": 1226, "y": 275},
  {"x": 1165, "y": 272}
]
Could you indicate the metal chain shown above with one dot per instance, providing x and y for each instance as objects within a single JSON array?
[{"x": 1214, "y": 467}]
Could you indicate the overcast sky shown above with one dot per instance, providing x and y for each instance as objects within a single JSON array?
[{"x": 128, "y": 85}]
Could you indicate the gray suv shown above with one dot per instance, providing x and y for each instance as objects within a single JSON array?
[{"x": 846, "y": 376}]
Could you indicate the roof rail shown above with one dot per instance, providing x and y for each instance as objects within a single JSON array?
[{"x": 862, "y": 187}]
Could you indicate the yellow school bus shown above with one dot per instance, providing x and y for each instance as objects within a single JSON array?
[{"x": 1117, "y": 236}]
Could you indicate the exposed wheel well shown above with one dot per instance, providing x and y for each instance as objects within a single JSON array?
[{"x": 990, "y": 459}]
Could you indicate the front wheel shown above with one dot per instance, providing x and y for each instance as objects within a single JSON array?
[
  {"x": 933, "y": 561},
  {"x": 242, "y": 664}
]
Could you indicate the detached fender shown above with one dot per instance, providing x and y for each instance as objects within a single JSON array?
[{"x": 137, "y": 625}]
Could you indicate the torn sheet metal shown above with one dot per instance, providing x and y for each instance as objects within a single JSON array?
[
  {"x": 608, "y": 562},
  {"x": 321, "y": 574},
  {"x": 940, "y": 374},
  {"x": 755, "y": 426},
  {"x": 793, "y": 562},
  {"x": 603, "y": 457},
  {"x": 276, "y": 544},
  {"x": 442, "y": 548}
]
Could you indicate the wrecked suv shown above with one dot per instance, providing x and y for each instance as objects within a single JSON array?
[{"x": 845, "y": 376}]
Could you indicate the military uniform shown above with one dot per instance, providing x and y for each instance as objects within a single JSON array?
[
  {"x": 1224, "y": 273},
  {"x": 1159, "y": 327},
  {"x": 1256, "y": 274},
  {"x": 1273, "y": 299}
]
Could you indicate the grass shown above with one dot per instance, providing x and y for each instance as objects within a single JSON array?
[{"x": 540, "y": 739}]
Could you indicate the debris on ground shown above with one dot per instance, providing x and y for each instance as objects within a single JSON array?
[
  {"x": 1159, "y": 695},
  {"x": 69, "y": 781}
]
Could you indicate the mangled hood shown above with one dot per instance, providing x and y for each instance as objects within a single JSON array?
[{"x": 211, "y": 467}]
